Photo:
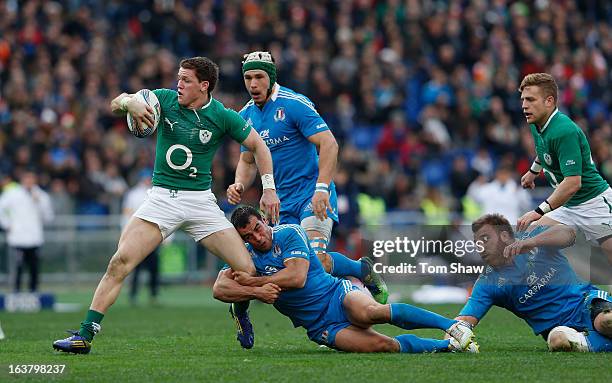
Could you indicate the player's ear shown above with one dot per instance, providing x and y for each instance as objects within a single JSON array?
[
  {"x": 204, "y": 86},
  {"x": 504, "y": 236}
]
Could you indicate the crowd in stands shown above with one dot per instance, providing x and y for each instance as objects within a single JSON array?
[{"x": 420, "y": 94}]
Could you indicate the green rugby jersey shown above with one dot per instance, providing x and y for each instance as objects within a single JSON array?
[
  {"x": 564, "y": 151},
  {"x": 187, "y": 140}
]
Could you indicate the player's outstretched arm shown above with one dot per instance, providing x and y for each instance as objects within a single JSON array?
[
  {"x": 473, "y": 321},
  {"x": 226, "y": 289},
  {"x": 558, "y": 236},
  {"x": 246, "y": 170},
  {"x": 293, "y": 276},
  {"x": 269, "y": 202}
]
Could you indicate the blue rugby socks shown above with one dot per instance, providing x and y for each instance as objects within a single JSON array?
[
  {"x": 343, "y": 266},
  {"x": 413, "y": 344},
  {"x": 411, "y": 317}
]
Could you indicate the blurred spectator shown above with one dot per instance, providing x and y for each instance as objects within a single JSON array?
[
  {"x": 503, "y": 195},
  {"x": 461, "y": 177},
  {"x": 24, "y": 209},
  {"x": 483, "y": 163},
  {"x": 435, "y": 207}
]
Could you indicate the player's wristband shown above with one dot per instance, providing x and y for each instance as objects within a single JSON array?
[
  {"x": 267, "y": 181},
  {"x": 123, "y": 103},
  {"x": 322, "y": 187},
  {"x": 536, "y": 168},
  {"x": 544, "y": 208}
]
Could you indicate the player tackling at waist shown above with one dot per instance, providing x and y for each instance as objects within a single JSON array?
[{"x": 333, "y": 311}]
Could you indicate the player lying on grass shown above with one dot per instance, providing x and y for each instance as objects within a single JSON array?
[
  {"x": 533, "y": 280},
  {"x": 333, "y": 311}
]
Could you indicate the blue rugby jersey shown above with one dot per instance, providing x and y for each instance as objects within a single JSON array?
[
  {"x": 306, "y": 306},
  {"x": 540, "y": 287},
  {"x": 285, "y": 123}
]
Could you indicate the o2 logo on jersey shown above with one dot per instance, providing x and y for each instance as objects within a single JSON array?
[
  {"x": 547, "y": 159},
  {"x": 279, "y": 115},
  {"x": 188, "y": 159},
  {"x": 205, "y": 136}
]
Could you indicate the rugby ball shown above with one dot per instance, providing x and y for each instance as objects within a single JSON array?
[{"x": 147, "y": 97}]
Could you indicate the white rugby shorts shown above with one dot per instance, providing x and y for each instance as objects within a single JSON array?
[
  {"x": 195, "y": 212},
  {"x": 593, "y": 217}
]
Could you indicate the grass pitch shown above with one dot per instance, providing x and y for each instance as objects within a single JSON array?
[{"x": 190, "y": 337}]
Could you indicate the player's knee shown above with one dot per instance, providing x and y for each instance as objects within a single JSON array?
[
  {"x": 563, "y": 338},
  {"x": 557, "y": 341},
  {"x": 118, "y": 267},
  {"x": 251, "y": 270}
]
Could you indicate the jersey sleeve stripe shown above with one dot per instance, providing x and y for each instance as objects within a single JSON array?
[
  {"x": 299, "y": 100},
  {"x": 297, "y": 97},
  {"x": 297, "y": 230},
  {"x": 347, "y": 285},
  {"x": 286, "y": 259}
]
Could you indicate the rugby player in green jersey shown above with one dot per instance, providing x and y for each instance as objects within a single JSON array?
[
  {"x": 192, "y": 126},
  {"x": 581, "y": 198}
]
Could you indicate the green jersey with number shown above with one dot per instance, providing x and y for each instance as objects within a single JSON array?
[
  {"x": 563, "y": 151},
  {"x": 187, "y": 140}
]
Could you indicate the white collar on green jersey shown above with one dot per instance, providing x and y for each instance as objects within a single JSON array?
[
  {"x": 548, "y": 121},
  {"x": 208, "y": 103},
  {"x": 275, "y": 90}
]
